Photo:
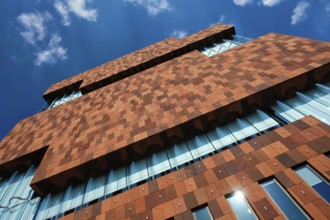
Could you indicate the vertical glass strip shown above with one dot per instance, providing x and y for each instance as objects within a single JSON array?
[
  {"x": 5, "y": 186},
  {"x": 319, "y": 95},
  {"x": 111, "y": 185},
  {"x": 283, "y": 200},
  {"x": 94, "y": 189},
  {"x": 262, "y": 121},
  {"x": 67, "y": 199},
  {"x": 200, "y": 146},
  {"x": 121, "y": 178},
  {"x": 202, "y": 214},
  {"x": 316, "y": 182},
  {"x": 286, "y": 112},
  {"x": 77, "y": 196},
  {"x": 224, "y": 137},
  {"x": 241, "y": 207},
  {"x": 43, "y": 209},
  {"x": 307, "y": 109},
  {"x": 31, "y": 209},
  {"x": 179, "y": 154},
  {"x": 224, "y": 45},
  {"x": 137, "y": 172},
  {"x": 54, "y": 205},
  {"x": 158, "y": 163}
]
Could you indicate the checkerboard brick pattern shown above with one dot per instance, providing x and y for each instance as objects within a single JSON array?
[
  {"x": 129, "y": 117},
  {"x": 207, "y": 182},
  {"x": 143, "y": 56}
]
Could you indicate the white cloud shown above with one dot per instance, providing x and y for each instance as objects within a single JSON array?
[
  {"x": 77, "y": 7},
  {"x": 63, "y": 10},
  {"x": 271, "y": 3},
  {"x": 242, "y": 2},
  {"x": 179, "y": 34},
  {"x": 299, "y": 12},
  {"x": 327, "y": 8},
  {"x": 34, "y": 31},
  {"x": 153, "y": 7},
  {"x": 268, "y": 3},
  {"x": 52, "y": 53},
  {"x": 220, "y": 21},
  {"x": 34, "y": 26}
]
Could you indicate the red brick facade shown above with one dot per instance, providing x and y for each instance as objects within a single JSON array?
[
  {"x": 163, "y": 93},
  {"x": 241, "y": 167}
]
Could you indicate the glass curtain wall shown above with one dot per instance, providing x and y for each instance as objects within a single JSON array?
[
  {"x": 224, "y": 45},
  {"x": 65, "y": 98}
]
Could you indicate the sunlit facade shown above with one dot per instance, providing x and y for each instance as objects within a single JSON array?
[{"x": 212, "y": 126}]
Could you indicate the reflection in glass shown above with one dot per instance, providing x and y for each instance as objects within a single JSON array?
[
  {"x": 283, "y": 200},
  {"x": 241, "y": 207},
  {"x": 317, "y": 183},
  {"x": 158, "y": 163},
  {"x": 179, "y": 154},
  {"x": 65, "y": 98},
  {"x": 200, "y": 146},
  {"x": 202, "y": 214}
]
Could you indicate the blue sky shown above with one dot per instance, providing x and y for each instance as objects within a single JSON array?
[{"x": 46, "y": 41}]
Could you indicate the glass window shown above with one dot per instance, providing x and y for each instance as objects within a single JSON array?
[
  {"x": 219, "y": 47},
  {"x": 76, "y": 94},
  {"x": 111, "y": 185},
  {"x": 94, "y": 189},
  {"x": 30, "y": 210},
  {"x": 315, "y": 181},
  {"x": 262, "y": 121},
  {"x": 56, "y": 102},
  {"x": 15, "y": 194},
  {"x": 285, "y": 111},
  {"x": 202, "y": 214},
  {"x": 241, "y": 129},
  {"x": 54, "y": 205},
  {"x": 121, "y": 178},
  {"x": 221, "y": 137},
  {"x": 65, "y": 98},
  {"x": 241, "y": 207},
  {"x": 179, "y": 154},
  {"x": 77, "y": 196},
  {"x": 199, "y": 146},
  {"x": 43, "y": 209},
  {"x": 304, "y": 98},
  {"x": 241, "y": 39},
  {"x": 116, "y": 181},
  {"x": 283, "y": 200},
  {"x": 224, "y": 45},
  {"x": 308, "y": 108},
  {"x": 73, "y": 198},
  {"x": 158, "y": 163},
  {"x": 137, "y": 172},
  {"x": 320, "y": 94}
]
